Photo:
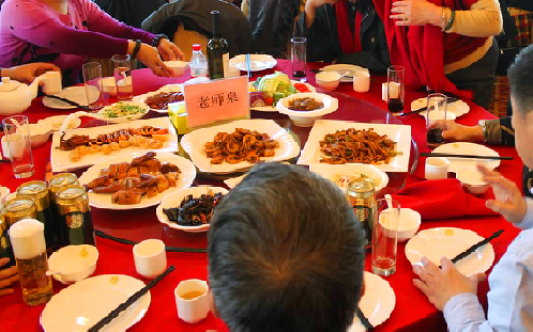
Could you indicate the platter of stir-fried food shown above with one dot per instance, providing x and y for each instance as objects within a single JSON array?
[
  {"x": 190, "y": 209},
  {"x": 338, "y": 142},
  {"x": 238, "y": 145},
  {"x": 357, "y": 146},
  {"x": 83, "y": 147},
  {"x": 136, "y": 181}
]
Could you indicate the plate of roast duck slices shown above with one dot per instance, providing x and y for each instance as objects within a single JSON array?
[
  {"x": 84, "y": 147},
  {"x": 158, "y": 100},
  {"x": 136, "y": 181}
]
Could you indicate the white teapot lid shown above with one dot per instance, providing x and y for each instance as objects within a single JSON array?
[{"x": 8, "y": 85}]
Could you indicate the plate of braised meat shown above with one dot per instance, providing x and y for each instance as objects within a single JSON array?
[
  {"x": 190, "y": 209},
  {"x": 137, "y": 180}
]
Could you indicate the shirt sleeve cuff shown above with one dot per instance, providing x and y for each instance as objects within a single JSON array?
[
  {"x": 461, "y": 310},
  {"x": 527, "y": 222}
]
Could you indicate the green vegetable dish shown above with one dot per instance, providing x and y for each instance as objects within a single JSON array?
[{"x": 121, "y": 110}]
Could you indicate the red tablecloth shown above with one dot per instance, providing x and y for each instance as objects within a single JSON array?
[{"x": 413, "y": 312}]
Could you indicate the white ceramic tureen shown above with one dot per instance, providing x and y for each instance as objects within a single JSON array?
[{"x": 16, "y": 97}]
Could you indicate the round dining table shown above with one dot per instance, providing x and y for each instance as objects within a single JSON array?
[{"x": 412, "y": 312}]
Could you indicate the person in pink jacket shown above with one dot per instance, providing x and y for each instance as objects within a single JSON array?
[{"x": 68, "y": 32}]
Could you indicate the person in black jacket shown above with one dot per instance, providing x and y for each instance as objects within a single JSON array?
[
  {"x": 345, "y": 31},
  {"x": 131, "y": 12},
  {"x": 196, "y": 15},
  {"x": 272, "y": 24}
]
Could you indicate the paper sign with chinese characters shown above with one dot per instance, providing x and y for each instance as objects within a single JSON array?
[{"x": 218, "y": 100}]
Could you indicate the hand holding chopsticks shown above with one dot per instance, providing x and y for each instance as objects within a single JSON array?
[{"x": 132, "y": 299}]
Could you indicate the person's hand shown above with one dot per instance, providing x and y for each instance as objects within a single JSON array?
[
  {"x": 169, "y": 51},
  {"x": 27, "y": 73},
  {"x": 457, "y": 132},
  {"x": 7, "y": 277},
  {"x": 150, "y": 57},
  {"x": 415, "y": 12},
  {"x": 440, "y": 285},
  {"x": 509, "y": 201}
]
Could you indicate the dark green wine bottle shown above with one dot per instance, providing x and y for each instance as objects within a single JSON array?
[{"x": 217, "y": 50}]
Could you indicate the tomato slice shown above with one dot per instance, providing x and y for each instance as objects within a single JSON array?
[
  {"x": 301, "y": 87},
  {"x": 269, "y": 100}
]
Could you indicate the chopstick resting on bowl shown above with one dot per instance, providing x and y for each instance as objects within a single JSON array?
[
  {"x": 70, "y": 102},
  {"x": 476, "y": 246},
  {"x": 132, "y": 299},
  {"x": 468, "y": 156},
  {"x": 423, "y": 109}
]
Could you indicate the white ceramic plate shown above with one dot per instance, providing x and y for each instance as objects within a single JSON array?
[
  {"x": 80, "y": 306},
  {"x": 103, "y": 201},
  {"x": 77, "y": 94},
  {"x": 273, "y": 107},
  {"x": 343, "y": 68},
  {"x": 377, "y": 303},
  {"x": 468, "y": 149},
  {"x": 398, "y": 133},
  {"x": 459, "y": 107},
  {"x": 258, "y": 62},
  {"x": 449, "y": 242},
  {"x": 61, "y": 161},
  {"x": 167, "y": 88},
  {"x": 174, "y": 200},
  {"x": 234, "y": 182},
  {"x": 380, "y": 178},
  {"x": 193, "y": 144}
]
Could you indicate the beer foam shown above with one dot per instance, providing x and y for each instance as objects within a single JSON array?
[{"x": 27, "y": 238}]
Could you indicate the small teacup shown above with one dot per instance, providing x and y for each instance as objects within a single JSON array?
[
  {"x": 192, "y": 300},
  {"x": 150, "y": 258},
  {"x": 437, "y": 168},
  {"x": 361, "y": 82},
  {"x": 52, "y": 82}
]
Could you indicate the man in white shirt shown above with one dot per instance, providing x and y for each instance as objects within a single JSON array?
[{"x": 510, "y": 297}]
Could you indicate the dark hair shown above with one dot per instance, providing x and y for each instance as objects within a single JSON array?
[
  {"x": 285, "y": 253},
  {"x": 521, "y": 81}
]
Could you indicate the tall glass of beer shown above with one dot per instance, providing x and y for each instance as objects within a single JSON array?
[{"x": 29, "y": 247}]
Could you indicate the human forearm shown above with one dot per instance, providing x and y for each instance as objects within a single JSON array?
[
  {"x": 484, "y": 19},
  {"x": 310, "y": 14},
  {"x": 464, "y": 313}
]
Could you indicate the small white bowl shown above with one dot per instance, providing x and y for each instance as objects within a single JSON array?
[
  {"x": 177, "y": 68},
  {"x": 124, "y": 119},
  {"x": 328, "y": 80},
  {"x": 330, "y": 172},
  {"x": 472, "y": 180},
  {"x": 110, "y": 86},
  {"x": 307, "y": 119},
  {"x": 408, "y": 224},
  {"x": 76, "y": 263},
  {"x": 39, "y": 133}
]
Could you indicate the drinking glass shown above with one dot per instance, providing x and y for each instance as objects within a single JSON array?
[
  {"x": 436, "y": 119},
  {"x": 122, "y": 71},
  {"x": 385, "y": 237},
  {"x": 299, "y": 57},
  {"x": 395, "y": 88},
  {"x": 17, "y": 136},
  {"x": 92, "y": 76}
]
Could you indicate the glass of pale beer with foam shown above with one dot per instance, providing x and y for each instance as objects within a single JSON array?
[{"x": 29, "y": 247}]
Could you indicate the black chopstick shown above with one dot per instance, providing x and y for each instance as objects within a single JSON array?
[
  {"x": 473, "y": 248},
  {"x": 167, "y": 248},
  {"x": 132, "y": 299},
  {"x": 469, "y": 156},
  {"x": 5, "y": 161},
  {"x": 70, "y": 102},
  {"x": 366, "y": 323},
  {"x": 423, "y": 109}
]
